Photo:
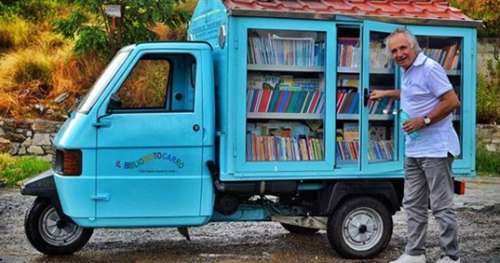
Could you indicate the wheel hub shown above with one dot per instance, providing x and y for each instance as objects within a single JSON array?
[
  {"x": 362, "y": 228},
  {"x": 60, "y": 224},
  {"x": 57, "y": 231}
]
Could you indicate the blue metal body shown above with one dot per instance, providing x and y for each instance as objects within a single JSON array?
[{"x": 148, "y": 168}]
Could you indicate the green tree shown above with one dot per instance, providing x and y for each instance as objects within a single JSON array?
[
  {"x": 486, "y": 10},
  {"x": 96, "y": 33}
]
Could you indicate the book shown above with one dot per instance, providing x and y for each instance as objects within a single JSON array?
[{"x": 351, "y": 131}]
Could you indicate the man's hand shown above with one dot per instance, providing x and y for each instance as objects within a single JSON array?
[
  {"x": 413, "y": 124},
  {"x": 377, "y": 94}
]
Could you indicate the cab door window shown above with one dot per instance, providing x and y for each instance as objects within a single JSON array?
[{"x": 158, "y": 82}]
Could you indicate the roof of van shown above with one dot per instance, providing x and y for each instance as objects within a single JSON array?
[{"x": 432, "y": 12}]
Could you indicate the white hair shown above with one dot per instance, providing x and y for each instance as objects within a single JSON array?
[{"x": 401, "y": 30}]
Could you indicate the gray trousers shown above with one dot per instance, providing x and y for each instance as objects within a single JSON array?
[{"x": 430, "y": 179}]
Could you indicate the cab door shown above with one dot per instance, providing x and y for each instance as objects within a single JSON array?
[{"x": 149, "y": 143}]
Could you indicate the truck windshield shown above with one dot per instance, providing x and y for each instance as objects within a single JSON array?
[{"x": 89, "y": 100}]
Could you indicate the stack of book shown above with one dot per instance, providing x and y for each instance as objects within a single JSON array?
[
  {"x": 381, "y": 106},
  {"x": 285, "y": 101},
  {"x": 347, "y": 144},
  {"x": 347, "y": 150},
  {"x": 281, "y": 81},
  {"x": 448, "y": 57},
  {"x": 380, "y": 150},
  {"x": 379, "y": 59},
  {"x": 347, "y": 101},
  {"x": 347, "y": 82},
  {"x": 293, "y": 51},
  {"x": 282, "y": 148},
  {"x": 348, "y": 52}
]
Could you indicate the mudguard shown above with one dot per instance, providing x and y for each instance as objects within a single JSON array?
[{"x": 44, "y": 186}]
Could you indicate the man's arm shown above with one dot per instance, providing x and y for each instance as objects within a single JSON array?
[
  {"x": 448, "y": 102},
  {"x": 377, "y": 94}
]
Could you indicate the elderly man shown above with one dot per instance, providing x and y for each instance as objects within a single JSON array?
[{"x": 428, "y": 97}]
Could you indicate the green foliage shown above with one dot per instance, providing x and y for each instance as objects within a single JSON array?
[
  {"x": 33, "y": 10},
  {"x": 92, "y": 40},
  {"x": 136, "y": 24},
  {"x": 488, "y": 93},
  {"x": 486, "y": 10},
  {"x": 16, "y": 169},
  {"x": 70, "y": 26},
  {"x": 487, "y": 162}
]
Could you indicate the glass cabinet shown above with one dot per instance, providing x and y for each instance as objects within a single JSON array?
[
  {"x": 285, "y": 95},
  {"x": 302, "y": 96},
  {"x": 449, "y": 48},
  {"x": 285, "y": 88}
]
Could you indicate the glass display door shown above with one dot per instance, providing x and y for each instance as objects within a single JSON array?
[
  {"x": 284, "y": 125},
  {"x": 450, "y": 49},
  {"x": 381, "y": 136}
]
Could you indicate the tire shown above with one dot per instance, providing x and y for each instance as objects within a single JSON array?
[
  {"x": 360, "y": 228},
  {"x": 51, "y": 235},
  {"x": 300, "y": 230}
]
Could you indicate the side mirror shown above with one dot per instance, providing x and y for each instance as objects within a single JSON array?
[{"x": 114, "y": 103}]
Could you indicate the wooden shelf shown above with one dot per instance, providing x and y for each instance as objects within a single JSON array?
[
  {"x": 284, "y": 68},
  {"x": 381, "y": 71},
  {"x": 341, "y": 162},
  {"x": 284, "y": 116},
  {"x": 374, "y": 117},
  {"x": 341, "y": 69}
]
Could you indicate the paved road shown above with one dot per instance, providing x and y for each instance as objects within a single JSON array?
[{"x": 478, "y": 211}]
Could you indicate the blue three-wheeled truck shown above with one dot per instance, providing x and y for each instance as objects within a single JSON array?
[{"x": 263, "y": 115}]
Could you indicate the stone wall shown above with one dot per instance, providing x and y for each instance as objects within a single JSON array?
[
  {"x": 487, "y": 49},
  {"x": 28, "y": 137},
  {"x": 489, "y": 135}
]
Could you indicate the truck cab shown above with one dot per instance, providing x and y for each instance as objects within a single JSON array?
[{"x": 147, "y": 131}]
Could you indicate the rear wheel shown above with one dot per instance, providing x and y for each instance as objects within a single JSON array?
[
  {"x": 300, "y": 229},
  {"x": 360, "y": 228},
  {"x": 50, "y": 234}
]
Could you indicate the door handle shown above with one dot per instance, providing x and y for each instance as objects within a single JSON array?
[
  {"x": 365, "y": 97},
  {"x": 196, "y": 127},
  {"x": 102, "y": 124}
]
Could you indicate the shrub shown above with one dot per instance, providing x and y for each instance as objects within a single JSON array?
[
  {"x": 487, "y": 162},
  {"x": 34, "y": 10},
  {"x": 15, "y": 169},
  {"x": 14, "y": 32},
  {"x": 32, "y": 70},
  {"x": 26, "y": 79},
  {"x": 488, "y": 92},
  {"x": 24, "y": 66}
]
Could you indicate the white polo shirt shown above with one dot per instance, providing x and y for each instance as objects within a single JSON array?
[{"x": 422, "y": 85}]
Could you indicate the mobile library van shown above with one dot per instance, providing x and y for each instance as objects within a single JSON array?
[{"x": 263, "y": 115}]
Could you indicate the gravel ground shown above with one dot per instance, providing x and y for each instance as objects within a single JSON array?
[{"x": 478, "y": 212}]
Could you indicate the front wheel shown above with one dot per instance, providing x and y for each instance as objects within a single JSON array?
[
  {"x": 50, "y": 234},
  {"x": 360, "y": 228}
]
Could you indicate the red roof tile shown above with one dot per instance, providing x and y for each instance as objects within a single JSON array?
[{"x": 419, "y": 9}]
